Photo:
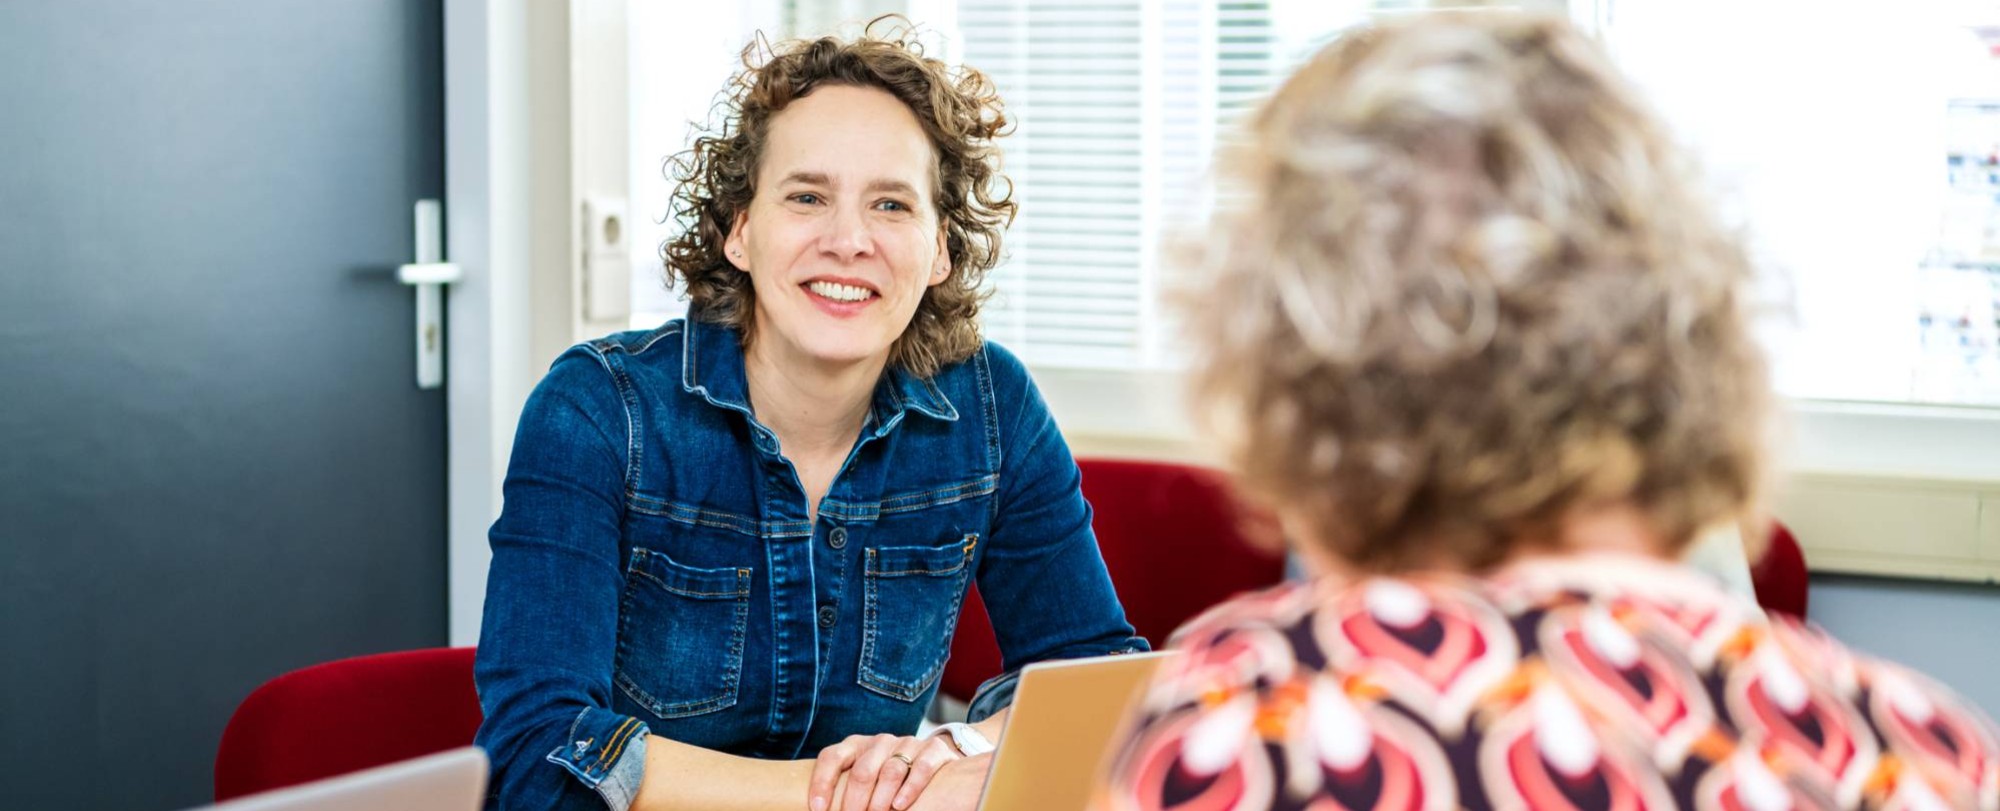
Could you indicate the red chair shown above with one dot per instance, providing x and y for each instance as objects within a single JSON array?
[
  {"x": 1173, "y": 537},
  {"x": 1780, "y": 576},
  {"x": 345, "y": 716}
]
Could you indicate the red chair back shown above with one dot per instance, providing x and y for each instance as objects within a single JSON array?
[
  {"x": 1780, "y": 576},
  {"x": 345, "y": 716},
  {"x": 1173, "y": 540}
]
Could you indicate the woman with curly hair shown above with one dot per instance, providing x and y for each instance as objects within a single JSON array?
[
  {"x": 1478, "y": 340},
  {"x": 734, "y": 548}
]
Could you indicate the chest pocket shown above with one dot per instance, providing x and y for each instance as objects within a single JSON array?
[
  {"x": 911, "y": 609},
  {"x": 680, "y": 635}
]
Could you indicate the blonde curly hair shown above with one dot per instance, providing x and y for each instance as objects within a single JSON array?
[
  {"x": 960, "y": 112},
  {"x": 1473, "y": 290}
]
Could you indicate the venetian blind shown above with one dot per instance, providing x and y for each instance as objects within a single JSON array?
[{"x": 1119, "y": 106}]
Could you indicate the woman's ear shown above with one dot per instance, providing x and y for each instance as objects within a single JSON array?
[
  {"x": 941, "y": 269},
  {"x": 732, "y": 245}
]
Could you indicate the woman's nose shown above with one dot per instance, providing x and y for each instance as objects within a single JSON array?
[{"x": 847, "y": 235}]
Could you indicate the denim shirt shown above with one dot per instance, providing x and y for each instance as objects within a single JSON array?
[{"x": 654, "y": 568}]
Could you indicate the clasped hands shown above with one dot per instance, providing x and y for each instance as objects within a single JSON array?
[{"x": 895, "y": 773}]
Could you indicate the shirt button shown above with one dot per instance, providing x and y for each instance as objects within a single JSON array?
[
  {"x": 837, "y": 538},
  {"x": 827, "y": 616},
  {"x": 765, "y": 442}
]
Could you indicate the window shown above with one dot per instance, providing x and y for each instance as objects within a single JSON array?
[
  {"x": 1119, "y": 108},
  {"x": 1870, "y": 187}
]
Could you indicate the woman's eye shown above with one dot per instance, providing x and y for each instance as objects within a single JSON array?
[
  {"x": 892, "y": 205},
  {"x": 807, "y": 198}
]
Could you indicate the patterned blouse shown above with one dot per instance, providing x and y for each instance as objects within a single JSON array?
[{"x": 1588, "y": 684}]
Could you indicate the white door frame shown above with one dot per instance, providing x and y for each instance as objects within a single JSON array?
[
  {"x": 529, "y": 133},
  {"x": 493, "y": 148},
  {"x": 485, "y": 348}
]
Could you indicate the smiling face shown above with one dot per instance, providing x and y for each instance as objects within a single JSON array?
[{"x": 842, "y": 236}]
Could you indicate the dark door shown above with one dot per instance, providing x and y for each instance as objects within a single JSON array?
[{"x": 215, "y": 465}]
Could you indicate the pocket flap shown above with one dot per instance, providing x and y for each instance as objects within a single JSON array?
[
  {"x": 690, "y": 581},
  {"x": 935, "y": 561}
]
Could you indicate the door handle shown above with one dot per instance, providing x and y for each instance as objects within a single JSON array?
[{"x": 429, "y": 274}]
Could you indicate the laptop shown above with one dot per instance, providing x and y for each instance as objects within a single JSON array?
[
  {"x": 1058, "y": 738},
  {"x": 454, "y": 780}
]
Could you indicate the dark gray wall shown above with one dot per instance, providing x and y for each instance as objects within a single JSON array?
[
  {"x": 214, "y": 465},
  {"x": 1948, "y": 630}
]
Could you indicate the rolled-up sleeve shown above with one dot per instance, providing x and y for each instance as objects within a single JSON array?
[
  {"x": 548, "y": 636},
  {"x": 1043, "y": 578}
]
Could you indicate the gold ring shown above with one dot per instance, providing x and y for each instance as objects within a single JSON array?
[{"x": 907, "y": 762}]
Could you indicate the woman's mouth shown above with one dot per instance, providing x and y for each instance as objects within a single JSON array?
[{"x": 843, "y": 293}]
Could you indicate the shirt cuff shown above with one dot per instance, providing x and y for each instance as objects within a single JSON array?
[
  {"x": 994, "y": 695},
  {"x": 997, "y": 693},
  {"x": 607, "y": 752}
]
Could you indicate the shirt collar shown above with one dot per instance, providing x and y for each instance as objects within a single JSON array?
[{"x": 712, "y": 368}]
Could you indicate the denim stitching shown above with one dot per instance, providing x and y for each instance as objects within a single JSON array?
[
  {"x": 671, "y": 711},
  {"x": 669, "y": 328},
  {"x": 691, "y": 376},
  {"x": 909, "y": 501},
  {"x": 690, "y": 369},
  {"x": 742, "y": 575},
  {"x": 958, "y": 567},
  {"x": 693, "y": 515},
  {"x": 983, "y": 481},
  {"x": 984, "y": 486},
  {"x": 953, "y": 499},
  {"x": 699, "y": 519},
  {"x": 635, "y": 444},
  {"x": 689, "y": 592},
  {"x": 870, "y": 680},
  {"x": 612, "y": 762},
  {"x": 896, "y": 400},
  {"x": 989, "y": 407},
  {"x": 717, "y": 519},
  {"x": 733, "y": 677},
  {"x": 947, "y": 412},
  {"x": 965, "y": 554},
  {"x": 626, "y": 397},
  {"x": 732, "y": 681},
  {"x": 867, "y": 677},
  {"x": 606, "y": 748},
  {"x": 868, "y": 620},
  {"x": 625, "y": 616}
]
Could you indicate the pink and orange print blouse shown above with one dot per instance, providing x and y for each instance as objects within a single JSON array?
[{"x": 1594, "y": 684}]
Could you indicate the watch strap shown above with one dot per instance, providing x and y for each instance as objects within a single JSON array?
[{"x": 966, "y": 737}]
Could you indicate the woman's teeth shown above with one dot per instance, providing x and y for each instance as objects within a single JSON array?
[{"x": 840, "y": 292}]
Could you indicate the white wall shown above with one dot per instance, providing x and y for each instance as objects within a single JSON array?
[{"x": 680, "y": 56}]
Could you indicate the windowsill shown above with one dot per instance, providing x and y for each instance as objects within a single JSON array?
[{"x": 1880, "y": 489}]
